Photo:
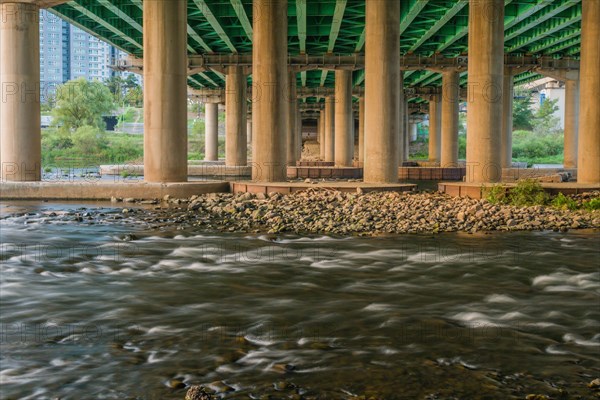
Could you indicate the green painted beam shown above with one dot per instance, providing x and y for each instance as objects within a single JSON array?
[
  {"x": 212, "y": 20},
  {"x": 460, "y": 4},
  {"x": 542, "y": 32},
  {"x": 416, "y": 8},
  {"x": 532, "y": 22},
  {"x": 115, "y": 10},
  {"x": 338, "y": 17},
  {"x": 104, "y": 23},
  {"x": 301, "y": 21},
  {"x": 556, "y": 40},
  {"x": 238, "y": 7}
]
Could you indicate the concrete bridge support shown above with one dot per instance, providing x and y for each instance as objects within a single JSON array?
[
  {"x": 322, "y": 119},
  {"x": 298, "y": 133},
  {"x": 412, "y": 129},
  {"x": 270, "y": 77},
  {"x": 344, "y": 121},
  {"x": 435, "y": 129},
  {"x": 450, "y": 103},
  {"x": 292, "y": 130},
  {"x": 382, "y": 91},
  {"x": 361, "y": 131},
  {"x": 236, "y": 151},
  {"x": 20, "y": 132},
  {"x": 165, "y": 91},
  {"x": 507, "y": 118},
  {"x": 248, "y": 131},
  {"x": 329, "y": 128},
  {"x": 211, "y": 129},
  {"x": 588, "y": 158},
  {"x": 486, "y": 75},
  {"x": 406, "y": 132},
  {"x": 571, "y": 123}
]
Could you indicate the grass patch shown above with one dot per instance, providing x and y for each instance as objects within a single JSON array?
[{"x": 564, "y": 202}]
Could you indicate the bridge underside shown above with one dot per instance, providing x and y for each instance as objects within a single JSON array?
[{"x": 340, "y": 58}]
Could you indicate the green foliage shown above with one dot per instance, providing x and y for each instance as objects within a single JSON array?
[
  {"x": 528, "y": 192},
  {"x": 197, "y": 128},
  {"x": 564, "y": 202},
  {"x": 545, "y": 123},
  {"x": 89, "y": 140},
  {"x": 522, "y": 114},
  {"x": 80, "y": 103},
  {"x": 593, "y": 204},
  {"x": 496, "y": 194}
]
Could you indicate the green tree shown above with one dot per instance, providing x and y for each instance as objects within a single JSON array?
[
  {"x": 116, "y": 84},
  {"x": 522, "y": 114},
  {"x": 89, "y": 140},
  {"x": 545, "y": 123},
  {"x": 135, "y": 97},
  {"x": 80, "y": 103}
]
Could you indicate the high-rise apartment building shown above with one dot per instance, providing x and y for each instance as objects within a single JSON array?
[{"x": 67, "y": 52}]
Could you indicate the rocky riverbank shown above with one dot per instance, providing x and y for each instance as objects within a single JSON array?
[{"x": 318, "y": 211}]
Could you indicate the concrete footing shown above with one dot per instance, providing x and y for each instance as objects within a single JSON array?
[
  {"x": 431, "y": 173},
  {"x": 478, "y": 190},
  {"x": 105, "y": 191},
  {"x": 324, "y": 172},
  {"x": 291, "y": 187},
  {"x": 315, "y": 164},
  {"x": 204, "y": 169}
]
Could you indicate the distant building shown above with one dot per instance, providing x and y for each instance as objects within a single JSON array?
[
  {"x": 67, "y": 52},
  {"x": 548, "y": 89}
]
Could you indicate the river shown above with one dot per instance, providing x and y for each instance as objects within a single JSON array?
[{"x": 109, "y": 310}]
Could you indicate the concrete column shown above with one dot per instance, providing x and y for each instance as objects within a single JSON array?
[
  {"x": 412, "y": 129},
  {"x": 248, "y": 131},
  {"x": 236, "y": 151},
  {"x": 211, "y": 128},
  {"x": 486, "y": 75},
  {"x": 406, "y": 133},
  {"x": 322, "y": 120},
  {"x": 361, "y": 131},
  {"x": 292, "y": 131},
  {"x": 344, "y": 138},
  {"x": 450, "y": 103},
  {"x": 299, "y": 133},
  {"x": 20, "y": 132},
  {"x": 571, "y": 122},
  {"x": 165, "y": 91},
  {"x": 435, "y": 129},
  {"x": 382, "y": 91},
  {"x": 507, "y": 119},
  {"x": 270, "y": 113},
  {"x": 330, "y": 128},
  {"x": 588, "y": 157}
]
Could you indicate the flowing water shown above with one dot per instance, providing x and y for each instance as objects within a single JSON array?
[{"x": 103, "y": 309}]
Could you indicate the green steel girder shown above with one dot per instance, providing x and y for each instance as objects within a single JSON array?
[{"x": 538, "y": 27}]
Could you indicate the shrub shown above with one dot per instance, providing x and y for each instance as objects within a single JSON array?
[
  {"x": 593, "y": 204},
  {"x": 89, "y": 140},
  {"x": 528, "y": 192},
  {"x": 565, "y": 202},
  {"x": 496, "y": 194}
]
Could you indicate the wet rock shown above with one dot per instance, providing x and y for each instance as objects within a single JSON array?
[
  {"x": 536, "y": 397},
  {"x": 283, "y": 368},
  {"x": 220, "y": 387},
  {"x": 175, "y": 384},
  {"x": 197, "y": 393},
  {"x": 129, "y": 200},
  {"x": 595, "y": 384}
]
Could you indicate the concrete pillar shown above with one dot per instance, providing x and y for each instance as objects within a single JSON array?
[
  {"x": 486, "y": 75},
  {"x": 588, "y": 157},
  {"x": 322, "y": 119},
  {"x": 270, "y": 79},
  {"x": 507, "y": 119},
  {"x": 435, "y": 129},
  {"x": 211, "y": 128},
  {"x": 298, "y": 132},
  {"x": 292, "y": 131},
  {"x": 406, "y": 133},
  {"x": 344, "y": 138},
  {"x": 329, "y": 128},
  {"x": 165, "y": 91},
  {"x": 571, "y": 122},
  {"x": 20, "y": 132},
  {"x": 361, "y": 131},
  {"x": 412, "y": 129},
  {"x": 450, "y": 105},
  {"x": 248, "y": 131},
  {"x": 382, "y": 91},
  {"x": 236, "y": 150}
]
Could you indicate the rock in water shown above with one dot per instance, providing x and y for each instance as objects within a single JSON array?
[{"x": 197, "y": 393}]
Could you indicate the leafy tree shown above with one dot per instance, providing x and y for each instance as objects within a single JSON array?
[
  {"x": 116, "y": 84},
  {"x": 545, "y": 121},
  {"x": 522, "y": 114},
  {"x": 89, "y": 140},
  {"x": 135, "y": 97},
  {"x": 80, "y": 103}
]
